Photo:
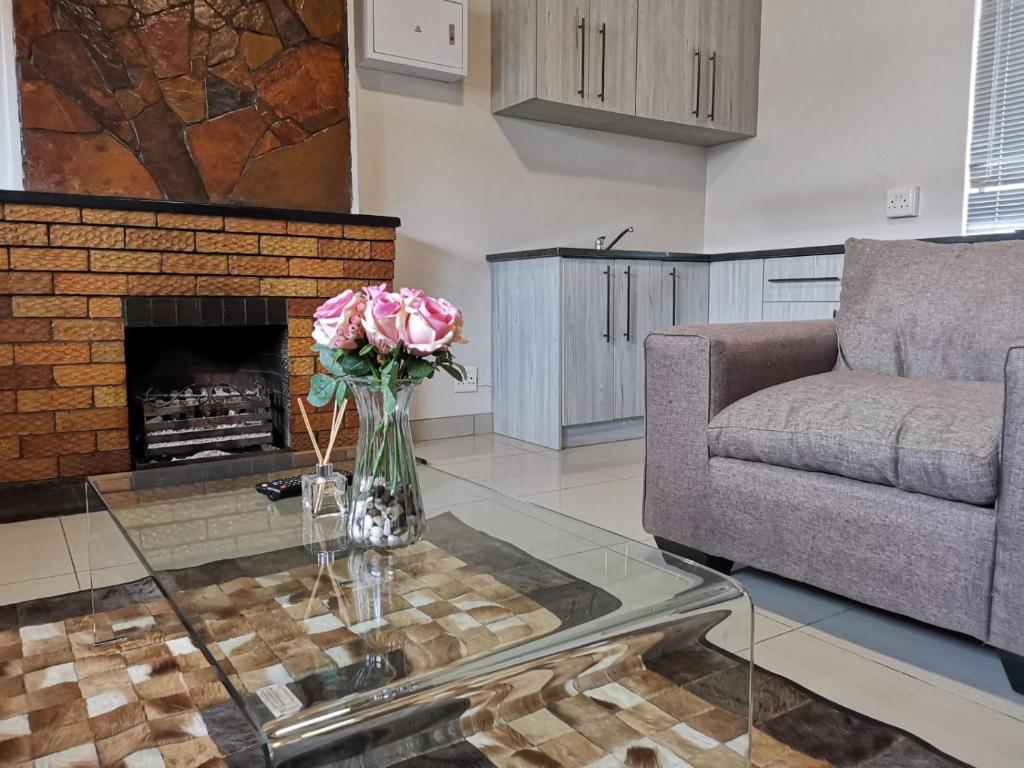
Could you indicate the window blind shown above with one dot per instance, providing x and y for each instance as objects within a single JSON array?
[{"x": 995, "y": 201}]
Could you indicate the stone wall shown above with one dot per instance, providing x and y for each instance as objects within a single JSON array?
[
  {"x": 64, "y": 270},
  {"x": 189, "y": 100}
]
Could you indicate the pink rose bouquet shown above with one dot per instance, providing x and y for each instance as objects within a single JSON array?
[{"x": 386, "y": 336}]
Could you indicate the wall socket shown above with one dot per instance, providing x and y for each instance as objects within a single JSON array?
[
  {"x": 902, "y": 202},
  {"x": 468, "y": 384}
]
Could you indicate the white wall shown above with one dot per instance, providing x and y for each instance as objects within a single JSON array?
[
  {"x": 10, "y": 130},
  {"x": 467, "y": 184},
  {"x": 834, "y": 131}
]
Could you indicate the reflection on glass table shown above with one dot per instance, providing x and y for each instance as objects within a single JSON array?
[{"x": 509, "y": 628}]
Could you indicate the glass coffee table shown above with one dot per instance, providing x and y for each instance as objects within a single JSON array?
[{"x": 511, "y": 634}]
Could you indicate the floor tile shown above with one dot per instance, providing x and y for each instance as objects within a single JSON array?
[
  {"x": 764, "y": 629},
  {"x": 526, "y": 474},
  {"x": 616, "y": 505},
  {"x": 621, "y": 460},
  {"x": 108, "y": 545},
  {"x": 789, "y": 599},
  {"x": 471, "y": 448},
  {"x": 538, "y": 539},
  {"x": 35, "y": 589},
  {"x": 108, "y": 577},
  {"x": 967, "y": 730},
  {"x": 959, "y": 664},
  {"x": 33, "y": 549},
  {"x": 520, "y": 444}
]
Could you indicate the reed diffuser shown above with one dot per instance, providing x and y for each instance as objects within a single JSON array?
[{"x": 323, "y": 492}]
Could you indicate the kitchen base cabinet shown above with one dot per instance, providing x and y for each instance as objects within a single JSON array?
[{"x": 568, "y": 342}]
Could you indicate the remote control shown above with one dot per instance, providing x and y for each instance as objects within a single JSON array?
[{"x": 286, "y": 487}]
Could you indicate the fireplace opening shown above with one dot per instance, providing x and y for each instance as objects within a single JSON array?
[{"x": 198, "y": 392}]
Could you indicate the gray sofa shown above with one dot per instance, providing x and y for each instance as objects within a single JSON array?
[{"x": 879, "y": 456}]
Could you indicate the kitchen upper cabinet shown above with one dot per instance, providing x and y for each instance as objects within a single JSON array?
[
  {"x": 668, "y": 61},
  {"x": 611, "y": 69},
  {"x": 698, "y": 61},
  {"x": 561, "y": 51},
  {"x": 678, "y": 70}
]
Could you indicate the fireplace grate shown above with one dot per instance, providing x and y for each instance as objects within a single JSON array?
[{"x": 204, "y": 418}]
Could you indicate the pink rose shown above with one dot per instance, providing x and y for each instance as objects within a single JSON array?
[
  {"x": 383, "y": 316},
  {"x": 431, "y": 325},
  {"x": 338, "y": 321}
]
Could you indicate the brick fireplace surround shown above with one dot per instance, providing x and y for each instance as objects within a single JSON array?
[{"x": 66, "y": 264}]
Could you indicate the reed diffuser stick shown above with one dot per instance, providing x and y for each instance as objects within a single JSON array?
[
  {"x": 312, "y": 436},
  {"x": 335, "y": 428}
]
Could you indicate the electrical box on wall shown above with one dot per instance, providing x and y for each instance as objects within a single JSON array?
[{"x": 426, "y": 38}]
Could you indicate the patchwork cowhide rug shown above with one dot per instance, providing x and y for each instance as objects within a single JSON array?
[{"x": 152, "y": 700}]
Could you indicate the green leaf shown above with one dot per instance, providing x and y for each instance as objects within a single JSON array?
[
  {"x": 418, "y": 368},
  {"x": 321, "y": 389},
  {"x": 342, "y": 392},
  {"x": 387, "y": 387},
  {"x": 355, "y": 366},
  {"x": 329, "y": 360},
  {"x": 366, "y": 350},
  {"x": 452, "y": 371}
]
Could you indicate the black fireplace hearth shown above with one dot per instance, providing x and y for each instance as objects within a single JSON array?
[{"x": 207, "y": 377}]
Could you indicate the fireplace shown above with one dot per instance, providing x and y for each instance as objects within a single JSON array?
[
  {"x": 81, "y": 276},
  {"x": 207, "y": 377}
]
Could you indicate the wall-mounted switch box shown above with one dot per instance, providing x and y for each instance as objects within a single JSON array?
[
  {"x": 426, "y": 38},
  {"x": 469, "y": 383},
  {"x": 902, "y": 202}
]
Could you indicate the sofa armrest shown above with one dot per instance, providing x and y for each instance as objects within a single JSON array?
[
  {"x": 1006, "y": 624},
  {"x": 693, "y": 372}
]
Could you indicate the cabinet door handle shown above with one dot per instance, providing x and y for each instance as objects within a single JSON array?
[
  {"x": 583, "y": 56},
  {"x": 714, "y": 83},
  {"x": 696, "y": 84},
  {"x": 608, "y": 306},
  {"x": 604, "y": 51},
  {"x": 804, "y": 279},
  {"x": 629, "y": 298},
  {"x": 672, "y": 274}
]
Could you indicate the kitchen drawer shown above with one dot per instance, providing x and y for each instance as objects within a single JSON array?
[
  {"x": 803, "y": 278},
  {"x": 776, "y": 311}
]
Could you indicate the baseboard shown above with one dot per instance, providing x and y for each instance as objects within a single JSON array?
[
  {"x": 452, "y": 426},
  {"x": 602, "y": 432}
]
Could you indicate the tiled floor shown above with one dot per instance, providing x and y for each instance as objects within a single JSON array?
[{"x": 945, "y": 688}]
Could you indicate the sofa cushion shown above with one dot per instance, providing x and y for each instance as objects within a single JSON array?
[
  {"x": 930, "y": 436},
  {"x": 928, "y": 310}
]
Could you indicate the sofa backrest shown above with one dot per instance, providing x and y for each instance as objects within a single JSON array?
[{"x": 916, "y": 309}]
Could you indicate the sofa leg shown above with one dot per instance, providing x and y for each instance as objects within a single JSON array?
[
  {"x": 715, "y": 563},
  {"x": 1014, "y": 666}
]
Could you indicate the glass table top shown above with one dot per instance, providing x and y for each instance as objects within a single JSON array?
[{"x": 320, "y": 645}]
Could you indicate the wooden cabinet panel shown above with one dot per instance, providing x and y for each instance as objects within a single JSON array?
[
  {"x": 588, "y": 341},
  {"x": 730, "y": 34},
  {"x": 735, "y": 291},
  {"x": 803, "y": 278},
  {"x": 775, "y": 311},
  {"x": 527, "y": 375},
  {"x": 638, "y": 311},
  {"x": 612, "y": 69},
  {"x": 668, "y": 43},
  {"x": 562, "y": 39},
  {"x": 684, "y": 293}
]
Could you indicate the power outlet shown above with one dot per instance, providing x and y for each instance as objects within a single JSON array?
[
  {"x": 902, "y": 202},
  {"x": 468, "y": 384}
]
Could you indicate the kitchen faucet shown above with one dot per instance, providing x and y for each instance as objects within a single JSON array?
[{"x": 599, "y": 243}]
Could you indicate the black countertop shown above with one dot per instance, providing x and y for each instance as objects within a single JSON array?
[
  {"x": 194, "y": 209},
  {"x": 592, "y": 253}
]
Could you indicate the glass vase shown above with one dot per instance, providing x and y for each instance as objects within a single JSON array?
[{"x": 386, "y": 510}]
